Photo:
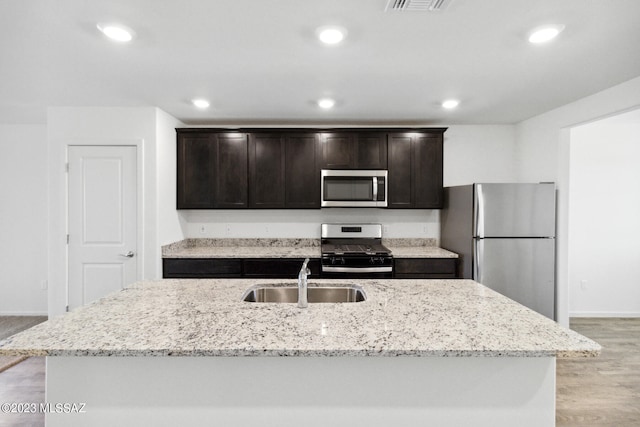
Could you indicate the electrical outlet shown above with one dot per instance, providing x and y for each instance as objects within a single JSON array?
[
  {"x": 203, "y": 229},
  {"x": 228, "y": 229},
  {"x": 385, "y": 229},
  {"x": 583, "y": 285},
  {"x": 425, "y": 229},
  {"x": 44, "y": 285}
]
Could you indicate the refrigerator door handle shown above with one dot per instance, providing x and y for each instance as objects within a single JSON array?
[
  {"x": 479, "y": 211},
  {"x": 477, "y": 262}
]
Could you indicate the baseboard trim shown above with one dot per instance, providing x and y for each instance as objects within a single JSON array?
[
  {"x": 603, "y": 314},
  {"x": 23, "y": 313}
]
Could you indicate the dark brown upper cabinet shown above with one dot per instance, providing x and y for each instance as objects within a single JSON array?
[
  {"x": 266, "y": 171},
  {"x": 196, "y": 178},
  {"x": 353, "y": 150},
  {"x": 212, "y": 171},
  {"x": 415, "y": 170},
  {"x": 230, "y": 164},
  {"x": 271, "y": 168},
  {"x": 302, "y": 174},
  {"x": 283, "y": 171}
]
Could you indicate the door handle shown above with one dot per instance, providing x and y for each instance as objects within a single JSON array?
[{"x": 129, "y": 254}]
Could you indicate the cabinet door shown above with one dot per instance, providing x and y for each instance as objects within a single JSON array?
[
  {"x": 177, "y": 268},
  {"x": 230, "y": 164},
  {"x": 415, "y": 171},
  {"x": 400, "y": 172},
  {"x": 302, "y": 174},
  {"x": 278, "y": 267},
  {"x": 338, "y": 150},
  {"x": 195, "y": 174},
  {"x": 371, "y": 151},
  {"x": 427, "y": 172},
  {"x": 266, "y": 171},
  {"x": 424, "y": 268}
]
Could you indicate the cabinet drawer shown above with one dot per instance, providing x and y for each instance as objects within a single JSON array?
[
  {"x": 200, "y": 268},
  {"x": 278, "y": 267},
  {"x": 425, "y": 268}
]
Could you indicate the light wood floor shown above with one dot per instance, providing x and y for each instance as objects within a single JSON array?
[
  {"x": 603, "y": 391},
  {"x": 10, "y": 325},
  {"x": 600, "y": 392},
  {"x": 23, "y": 383}
]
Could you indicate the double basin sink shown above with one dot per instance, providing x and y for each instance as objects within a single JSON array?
[{"x": 284, "y": 293}]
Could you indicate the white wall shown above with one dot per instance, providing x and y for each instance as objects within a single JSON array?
[
  {"x": 471, "y": 154},
  {"x": 171, "y": 225},
  {"x": 23, "y": 219},
  {"x": 479, "y": 154},
  {"x": 96, "y": 125},
  {"x": 542, "y": 154},
  {"x": 604, "y": 207},
  {"x": 305, "y": 223},
  {"x": 538, "y": 141}
]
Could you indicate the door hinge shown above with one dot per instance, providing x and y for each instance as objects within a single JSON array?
[
  {"x": 67, "y": 239},
  {"x": 67, "y": 309},
  {"x": 66, "y": 167}
]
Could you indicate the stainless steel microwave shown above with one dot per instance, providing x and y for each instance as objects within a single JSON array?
[{"x": 353, "y": 188}]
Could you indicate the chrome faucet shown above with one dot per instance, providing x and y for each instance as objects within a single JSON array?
[{"x": 302, "y": 284}]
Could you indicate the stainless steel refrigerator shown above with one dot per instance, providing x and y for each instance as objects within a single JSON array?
[{"x": 505, "y": 236}]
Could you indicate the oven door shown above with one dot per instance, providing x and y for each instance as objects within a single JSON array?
[
  {"x": 365, "y": 267},
  {"x": 353, "y": 188}
]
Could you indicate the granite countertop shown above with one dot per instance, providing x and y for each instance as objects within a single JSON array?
[
  {"x": 243, "y": 248},
  {"x": 289, "y": 248},
  {"x": 206, "y": 317}
]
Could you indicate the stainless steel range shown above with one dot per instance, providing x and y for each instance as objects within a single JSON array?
[{"x": 355, "y": 250}]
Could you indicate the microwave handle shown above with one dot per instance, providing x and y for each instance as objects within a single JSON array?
[{"x": 375, "y": 188}]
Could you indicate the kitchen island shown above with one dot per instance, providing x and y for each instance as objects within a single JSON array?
[{"x": 416, "y": 352}]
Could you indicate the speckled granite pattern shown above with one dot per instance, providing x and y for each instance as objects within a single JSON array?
[
  {"x": 289, "y": 248},
  {"x": 207, "y": 318},
  {"x": 408, "y": 242},
  {"x": 420, "y": 252},
  {"x": 243, "y": 248},
  {"x": 416, "y": 248}
]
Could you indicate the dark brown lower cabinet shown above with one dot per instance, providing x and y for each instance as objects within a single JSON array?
[
  {"x": 288, "y": 268},
  {"x": 208, "y": 268},
  {"x": 278, "y": 267},
  {"x": 425, "y": 268},
  {"x": 196, "y": 268}
]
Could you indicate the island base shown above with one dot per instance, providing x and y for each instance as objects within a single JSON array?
[{"x": 303, "y": 391}]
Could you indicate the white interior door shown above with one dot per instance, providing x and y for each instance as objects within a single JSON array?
[{"x": 102, "y": 221}]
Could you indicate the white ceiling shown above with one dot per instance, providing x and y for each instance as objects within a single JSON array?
[{"x": 259, "y": 63}]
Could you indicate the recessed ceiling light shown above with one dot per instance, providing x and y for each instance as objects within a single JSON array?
[
  {"x": 326, "y": 103},
  {"x": 201, "y": 103},
  {"x": 117, "y": 32},
  {"x": 331, "y": 34},
  {"x": 450, "y": 104},
  {"x": 544, "y": 34}
]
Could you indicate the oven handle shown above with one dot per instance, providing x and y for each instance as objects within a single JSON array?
[{"x": 357, "y": 269}]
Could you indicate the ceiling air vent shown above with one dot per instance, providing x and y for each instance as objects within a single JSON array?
[{"x": 416, "y": 5}]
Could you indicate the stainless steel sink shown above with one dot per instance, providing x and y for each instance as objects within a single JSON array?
[{"x": 289, "y": 294}]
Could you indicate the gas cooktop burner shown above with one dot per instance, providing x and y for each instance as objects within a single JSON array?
[
  {"x": 349, "y": 249},
  {"x": 354, "y": 249}
]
